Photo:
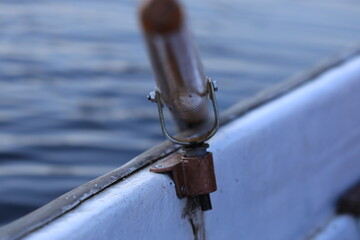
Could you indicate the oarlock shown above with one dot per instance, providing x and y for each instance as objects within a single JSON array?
[{"x": 184, "y": 88}]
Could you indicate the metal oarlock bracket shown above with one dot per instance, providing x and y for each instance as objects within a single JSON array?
[
  {"x": 184, "y": 88},
  {"x": 192, "y": 175},
  {"x": 192, "y": 169},
  {"x": 155, "y": 97}
]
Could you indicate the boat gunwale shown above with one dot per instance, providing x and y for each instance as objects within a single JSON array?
[{"x": 72, "y": 199}]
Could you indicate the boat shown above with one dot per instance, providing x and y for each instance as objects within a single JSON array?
[{"x": 284, "y": 160}]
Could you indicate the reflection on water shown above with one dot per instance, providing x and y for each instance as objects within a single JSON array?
[{"x": 74, "y": 76}]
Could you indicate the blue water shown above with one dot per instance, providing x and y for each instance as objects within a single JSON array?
[{"x": 74, "y": 76}]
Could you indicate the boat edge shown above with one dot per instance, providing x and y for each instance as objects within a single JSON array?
[{"x": 72, "y": 199}]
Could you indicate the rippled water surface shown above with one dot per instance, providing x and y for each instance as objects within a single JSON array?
[{"x": 74, "y": 76}]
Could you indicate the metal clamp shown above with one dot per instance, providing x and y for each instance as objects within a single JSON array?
[
  {"x": 193, "y": 176},
  {"x": 155, "y": 97}
]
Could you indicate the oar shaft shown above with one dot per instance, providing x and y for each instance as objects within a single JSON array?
[{"x": 179, "y": 73}]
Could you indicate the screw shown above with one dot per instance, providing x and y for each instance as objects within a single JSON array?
[
  {"x": 183, "y": 189},
  {"x": 152, "y": 96},
  {"x": 159, "y": 166}
]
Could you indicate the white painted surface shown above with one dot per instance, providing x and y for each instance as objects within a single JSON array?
[
  {"x": 341, "y": 228},
  {"x": 279, "y": 169},
  {"x": 143, "y": 207}
]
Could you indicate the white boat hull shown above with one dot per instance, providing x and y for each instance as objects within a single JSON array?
[{"x": 280, "y": 170}]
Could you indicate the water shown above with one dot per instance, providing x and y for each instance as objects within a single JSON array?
[{"x": 74, "y": 76}]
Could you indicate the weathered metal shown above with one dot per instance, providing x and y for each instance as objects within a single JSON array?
[
  {"x": 179, "y": 72},
  {"x": 192, "y": 175},
  {"x": 186, "y": 91},
  {"x": 201, "y": 137}
]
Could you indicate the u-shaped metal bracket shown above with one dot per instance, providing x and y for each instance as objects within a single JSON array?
[{"x": 195, "y": 140}]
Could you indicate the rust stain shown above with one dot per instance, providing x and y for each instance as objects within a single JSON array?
[
  {"x": 161, "y": 16},
  {"x": 193, "y": 213}
]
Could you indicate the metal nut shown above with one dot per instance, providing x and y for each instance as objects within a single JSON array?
[{"x": 152, "y": 96}]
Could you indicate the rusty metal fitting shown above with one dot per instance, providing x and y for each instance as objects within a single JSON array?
[
  {"x": 184, "y": 88},
  {"x": 199, "y": 176},
  {"x": 193, "y": 176}
]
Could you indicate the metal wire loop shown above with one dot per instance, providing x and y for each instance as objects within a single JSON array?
[{"x": 194, "y": 140}]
